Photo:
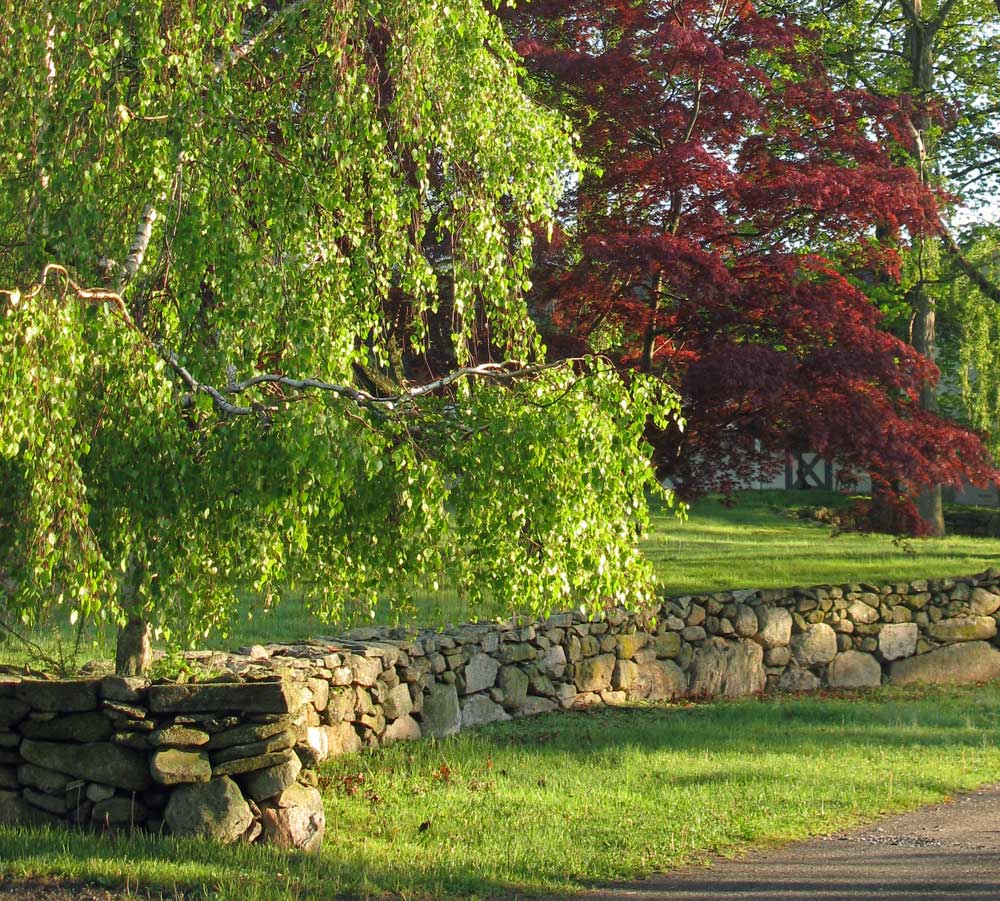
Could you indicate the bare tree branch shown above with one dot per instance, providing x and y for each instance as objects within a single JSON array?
[{"x": 140, "y": 243}]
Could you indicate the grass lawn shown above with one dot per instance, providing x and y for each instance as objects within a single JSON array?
[
  {"x": 559, "y": 802},
  {"x": 755, "y": 543}
]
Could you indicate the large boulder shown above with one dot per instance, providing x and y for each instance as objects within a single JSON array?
[
  {"x": 294, "y": 819},
  {"x": 898, "y": 640},
  {"x": 774, "y": 626},
  {"x": 817, "y": 644},
  {"x": 594, "y": 673},
  {"x": 214, "y": 810},
  {"x": 963, "y": 628},
  {"x": 972, "y": 661},
  {"x": 854, "y": 669},
  {"x": 732, "y": 668},
  {"x": 441, "y": 715},
  {"x": 983, "y": 602}
]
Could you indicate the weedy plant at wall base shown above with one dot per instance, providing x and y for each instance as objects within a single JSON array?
[{"x": 261, "y": 395}]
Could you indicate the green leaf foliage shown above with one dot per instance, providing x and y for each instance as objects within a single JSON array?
[{"x": 323, "y": 174}]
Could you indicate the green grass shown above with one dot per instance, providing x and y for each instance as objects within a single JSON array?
[
  {"x": 752, "y": 544},
  {"x": 556, "y": 803}
]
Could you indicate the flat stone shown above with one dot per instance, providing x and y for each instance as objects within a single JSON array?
[
  {"x": 973, "y": 661},
  {"x": 177, "y": 736},
  {"x": 9, "y": 739},
  {"x": 963, "y": 628},
  {"x": 898, "y": 640},
  {"x": 102, "y": 762},
  {"x": 480, "y": 673},
  {"x": 817, "y": 644},
  {"x": 14, "y": 811},
  {"x": 127, "y": 689},
  {"x": 593, "y": 674},
  {"x": 174, "y": 766},
  {"x": 250, "y": 732},
  {"x": 478, "y": 710},
  {"x": 266, "y": 783},
  {"x": 774, "y": 626},
  {"x": 406, "y": 728},
  {"x": 41, "y": 778},
  {"x": 68, "y": 696},
  {"x": 534, "y": 706},
  {"x": 215, "y": 697},
  {"x": 294, "y": 819},
  {"x": 279, "y": 742},
  {"x": 51, "y": 803},
  {"x": 213, "y": 810},
  {"x": 854, "y": 669},
  {"x": 731, "y": 668},
  {"x": 441, "y": 715},
  {"x": 81, "y": 727},
  {"x": 248, "y": 764}
]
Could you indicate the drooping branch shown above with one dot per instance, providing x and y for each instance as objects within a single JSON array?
[
  {"x": 140, "y": 243},
  {"x": 989, "y": 289},
  {"x": 383, "y": 404}
]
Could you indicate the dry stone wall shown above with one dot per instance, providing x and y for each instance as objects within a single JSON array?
[{"x": 232, "y": 755}]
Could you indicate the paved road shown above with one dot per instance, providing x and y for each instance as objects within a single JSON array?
[{"x": 949, "y": 852}]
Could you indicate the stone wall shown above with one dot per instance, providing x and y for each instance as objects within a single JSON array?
[{"x": 232, "y": 754}]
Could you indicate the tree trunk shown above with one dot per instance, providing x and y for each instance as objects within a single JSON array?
[
  {"x": 929, "y": 502},
  {"x": 134, "y": 651}
]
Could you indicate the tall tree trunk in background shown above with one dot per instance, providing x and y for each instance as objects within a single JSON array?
[{"x": 134, "y": 651}]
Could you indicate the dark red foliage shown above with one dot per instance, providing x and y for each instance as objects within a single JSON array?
[{"x": 731, "y": 189}]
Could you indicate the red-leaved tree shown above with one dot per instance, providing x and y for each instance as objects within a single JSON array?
[{"x": 735, "y": 207}]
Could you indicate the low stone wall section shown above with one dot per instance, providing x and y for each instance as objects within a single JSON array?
[{"x": 232, "y": 754}]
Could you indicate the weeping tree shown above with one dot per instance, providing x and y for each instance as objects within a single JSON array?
[{"x": 236, "y": 242}]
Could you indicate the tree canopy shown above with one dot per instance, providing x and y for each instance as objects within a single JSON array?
[
  {"x": 739, "y": 204},
  {"x": 224, "y": 231}
]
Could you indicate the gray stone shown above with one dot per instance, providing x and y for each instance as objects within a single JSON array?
[
  {"x": 264, "y": 784},
  {"x": 8, "y": 777},
  {"x": 973, "y": 661},
  {"x": 294, "y": 819},
  {"x": 898, "y": 640},
  {"x": 279, "y": 742},
  {"x": 96, "y": 762},
  {"x": 533, "y": 706},
  {"x": 817, "y": 644},
  {"x": 251, "y": 732},
  {"x": 313, "y": 745},
  {"x": 213, "y": 810},
  {"x": 658, "y": 680},
  {"x": 174, "y": 766},
  {"x": 214, "y": 697},
  {"x": 249, "y": 764},
  {"x": 397, "y": 702},
  {"x": 624, "y": 675},
  {"x": 406, "y": 728},
  {"x": 119, "y": 812},
  {"x": 178, "y": 736},
  {"x": 774, "y": 626},
  {"x": 13, "y": 810},
  {"x": 797, "y": 680},
  {"x": 625, "y": 646},
  {"x": 97, "y": 792},
  {"x": 441, "y": 715},
  {"x": 68, "y": 696},
  {"x": 667, "y": 645},
  {"x": 731, "y": 668},
  {"x": 513, "y": 684},
  {"x": 41, "y": 778},
  {"x": 963, "y": 628},
  {"x": 860, "y": 612},
  {"x": 594, "y": 673},
  {"x": 51, "y": 803},
  {"x": 9, "y": 739},
  {"x": 777, "y": 656},
  {"x": 745, "y": 621},
  {"x": 480, "y": 673},
  {"x": 553, "y": 662},
  {"x": 128, "y": 689},
  {"x": 854, "y": 669},
  {"x": 478, "y": 710},
  {"x": 983, "y": 602},
  {"x": 81, "y": 727}
]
